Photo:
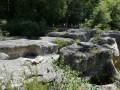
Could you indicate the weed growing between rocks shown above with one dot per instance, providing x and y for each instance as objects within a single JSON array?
[
  {"x": 76, "y": 41},
  {"x": 70, "y": 79},
  {"x": 61, "y": 44},
  {"x": 6, "y": 80}
]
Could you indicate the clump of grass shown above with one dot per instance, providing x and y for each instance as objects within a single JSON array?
[
  {"x": 35, "y": 85},
  {"x": 76, "y": 41},
  {"x": 95, "y": 49},
  {"x": 6, "y": 83},
  {"x": 97, "y": 37},
  {"x": 61, "y": 44}
]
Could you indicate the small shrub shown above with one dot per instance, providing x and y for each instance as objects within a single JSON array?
[
  {"x": 61, "y": 44},
  {"x": 35, "y": 85}
]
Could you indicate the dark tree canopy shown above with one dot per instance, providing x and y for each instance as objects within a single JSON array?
[{"x": 102, "y": 14}]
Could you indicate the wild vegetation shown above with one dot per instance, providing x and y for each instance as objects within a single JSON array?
[{"x": 70, "y": 79}]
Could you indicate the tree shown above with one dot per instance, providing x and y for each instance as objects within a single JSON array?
[
  {"x": 114, "y": 9},
  {"x": 101, "y": 16},
  {"x": 3, "y": 9},
  {"x": 56, "y": 9},
  {"x": 79, "y": 10}
]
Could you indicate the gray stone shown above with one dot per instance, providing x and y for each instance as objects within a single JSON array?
[
  {"x": 113, "y": 34},
  {"x": 23, "y": 47},
  {"x": 17, "y": 67},
  {"x": 54, "y": 39},
  {"x": 3, "y": 56},
  {"x": 82, "y": 34},
  {"x": 93, "y": 58}
]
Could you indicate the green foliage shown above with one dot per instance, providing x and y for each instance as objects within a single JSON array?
[
  {"x": 35, "y": 85},
  {"x": 21, "y": 27},
  {"x": 114, "y": 8},
  {"x": 31, "y": 81},
  {"x": 55, "y": 10},
  {"x": 70, "y": 79},
  {"x": 76, "y": 41},
  {"x": 101, "y": 16},
  {"x": 97, "y": 37},
  {"x": 79, "y": 10},
  {"x": 61, "y": 44}
]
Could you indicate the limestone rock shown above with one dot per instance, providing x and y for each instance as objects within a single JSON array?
[
  {"x": 93, "y": 58},
  {"x": 34, "y": 61},
  {"x": 82, "y": 34},
  {"x": 3, "y": 56},
  {"x": 54, "y": 39},
  {"x": 17, "y": 67},
  {"x": 23, "y": 47},
  {"x": 113, "y": 34}
]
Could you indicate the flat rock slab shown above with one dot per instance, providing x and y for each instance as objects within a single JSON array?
[
  {"x": 23, "y": 47},
  {"x": 82, "y": 34},
  {"x": 17, "y": 66},
  {"x": 54, "y": 39}
]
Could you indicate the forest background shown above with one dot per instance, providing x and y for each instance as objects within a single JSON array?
[{"x": 32, "y": 17}]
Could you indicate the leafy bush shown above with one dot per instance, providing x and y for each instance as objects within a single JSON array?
[
  {"x": 20, "y": 27},
  {"x": 61, "y": 44}
]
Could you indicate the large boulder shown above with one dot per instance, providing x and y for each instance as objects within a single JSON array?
[
  {"x": 24, "y": 47},
  {"x": 21, "y": 67},
  {"x": 93, "y": 58},
  {"x": 82, "y": 34},
  {"x": 113, "y": 34}
]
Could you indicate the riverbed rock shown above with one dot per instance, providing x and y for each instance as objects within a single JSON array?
[
  {"x": 93, "y": 58},
  {"x": 24, "y": 47}
]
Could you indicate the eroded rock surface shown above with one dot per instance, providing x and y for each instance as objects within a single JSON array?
[
  {"x": 93, "y": 58},
  {"x": 23, "y": 47},
  {"x": 82, "y": 34},
  {"x": 54, "y": 39},
  {"x": 18, "y": 66}
]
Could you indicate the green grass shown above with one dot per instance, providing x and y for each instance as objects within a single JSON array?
[
  {"x": 76, "y": 41},
  {"x": 35, "y": 85},
  {"x": 61, "y": 44}
]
